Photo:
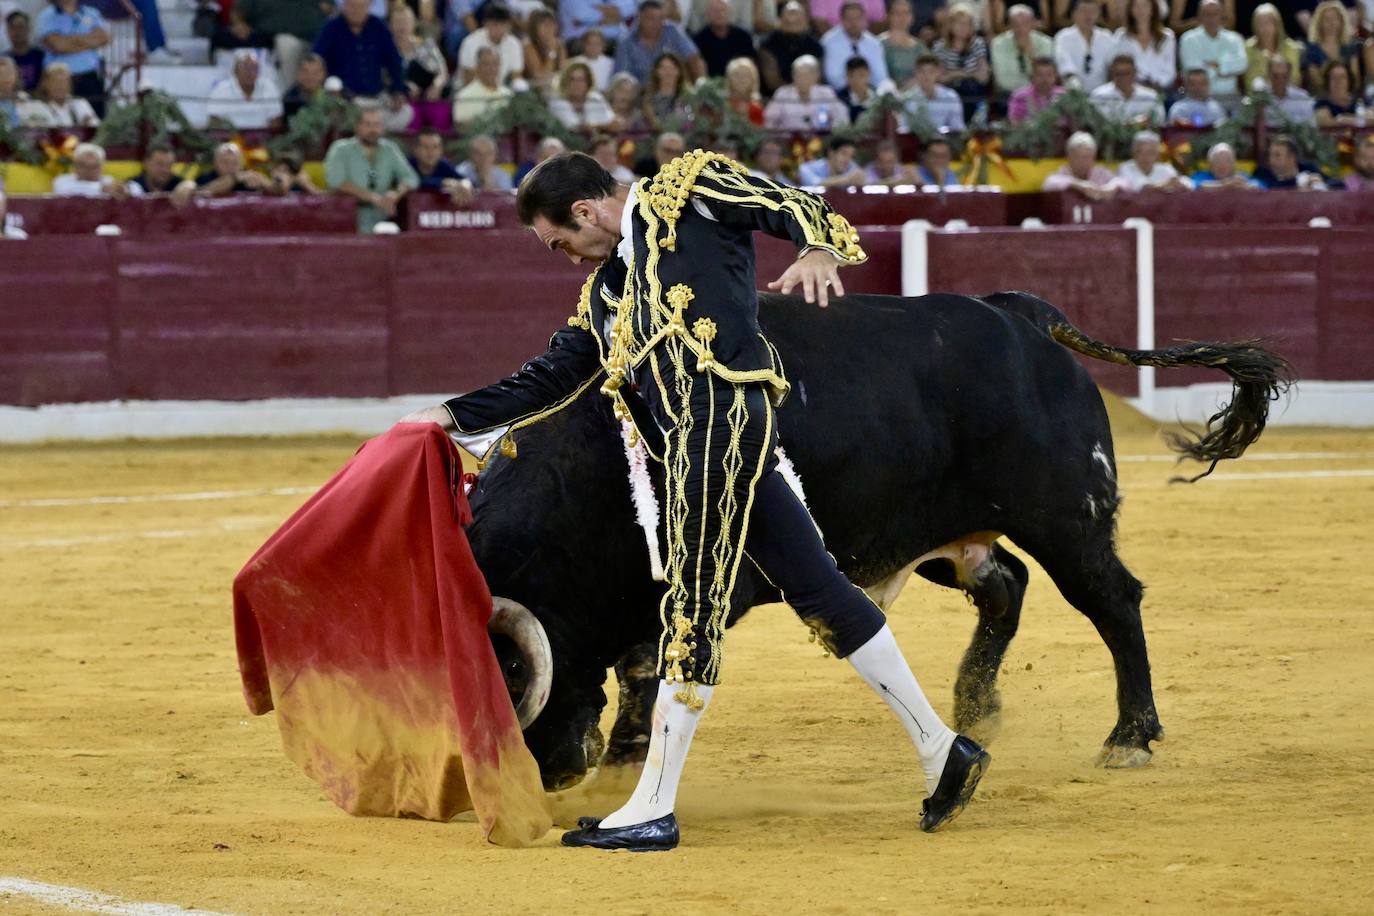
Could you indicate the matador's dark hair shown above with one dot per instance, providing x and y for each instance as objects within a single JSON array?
[{"x": 554, "y": 185}]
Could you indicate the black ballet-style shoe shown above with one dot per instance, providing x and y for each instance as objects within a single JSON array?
[
  {"x": 651, "y": 836},
  {"x": 966, "y": 764}
]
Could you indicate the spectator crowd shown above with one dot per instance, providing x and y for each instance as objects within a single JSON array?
[{"x": 609, "y": 69}]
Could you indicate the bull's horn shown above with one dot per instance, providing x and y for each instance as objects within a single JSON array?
[{"x": 514, "y": 621}]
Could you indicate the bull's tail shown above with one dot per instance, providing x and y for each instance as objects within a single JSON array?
[{"x": 1258, "y": 377}]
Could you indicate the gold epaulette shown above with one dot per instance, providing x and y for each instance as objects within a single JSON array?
[
  {"x": 669, "y": 189},
  {"x": 582, "y": 317}
]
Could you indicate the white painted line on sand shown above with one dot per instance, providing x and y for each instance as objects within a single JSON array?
[
  {"x": 74, "y": 898},
  {"x": 152, "y": 498},
  {"x": 1294, "y": 475},
  {"x": 1261, "y": 456},
  {"x": 166, "y": 534}
]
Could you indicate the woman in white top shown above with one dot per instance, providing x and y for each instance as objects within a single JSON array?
[
  {"x": 1151, "y": 44},
  {"x": 594, "y": 56},
  {"x": 55, "y": 105},
  {"x": 579, "y": 106},
  {"x": 1143, "y": 171},
  {"x": 804, "y": 104}
]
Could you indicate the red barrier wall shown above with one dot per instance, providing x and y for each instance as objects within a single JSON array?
[
  {"x": 242, "y": 214},
  {"x": 1232, "y": 208},
  {"x": 88, "y": 319}
]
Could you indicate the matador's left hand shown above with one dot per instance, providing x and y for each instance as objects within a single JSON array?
[{"x": 816, "y": 272}]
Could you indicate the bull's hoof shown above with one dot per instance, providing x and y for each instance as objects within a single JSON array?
[
  {"x": 1122, "y": 757},
  {"x": 978, "y": 714}
]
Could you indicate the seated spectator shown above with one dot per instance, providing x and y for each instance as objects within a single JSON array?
[
  {"x": 1330, "y": 36},
  {"x": 495, "y": 34},
  {"x": 1150, "y": 44},
  {"x": 804, "y": 104},
  {"x": 651, "y": 36},
  {"x": 579, "y": 106},
  {"x": 1221, "y": 171},
  {"x": 371, "y": 169},
  {"x": 12, "y": 95},
  {"x": 244, "y": 98},
  {"x": 54, "y": 104},
  {"x": 288, "y": 175},
  {"x": 901, "y": 49},
  {"x": 227, "y": 176},
  {"x": 310, "y": 76},
  {"x": 848, "y": 40},
  {"x": 768, "y": 163},
  {"x": 481, "y": 169},
  {"x": 157, "y": 176},
  {"x": 963, "y": 54},
  {"x": 358, "y": 49},
  {"x": 547, "y": 149},
  {"x": 667, "y": 147},
  {"x": 887, "y": 167},
  {"x": 781, "y": 48},
  {"x": 1184, "y": 14},
  {"x": 1338, "y": 105},
  {"x": 27, "y": 56},
  {"x": 939, "y": 104},
  {"x": 87, "y": 177},
  {"x": 934, "y": 169},
  {"x": 288, "y": 27},
  {"x": 1124, "y": 100},
  {"x": 1144, "y": 172},
  {"x": 1284, "y": 171},
  {"x": 742, "y": 90},
  {"x": 1268, "y": 39},
  {"x": 438, "y": 174},
  {"x": 578, "y": 17},
  {"x": 1083, "y": 50},
  {"x": 1082, "y": 173},
  {"x": 665, "y": 93},
  {"x": 72, "y": 35},
  {"x": 1017, "y": 49},
  {"x": 624, "y": 97},
  {"x": 9, "y": 228},
  {"x": 858, "y": 92},
  {"x": 1362, "y": 178},
  {"x": 1038, "y": 94},
  {"x": 546, "y": 58},
  {"x": 483, "y": 94},
  {"x": 837, "y": 170},
  {"x": 1217, "y": 50},
  {"x": 721, "y": 41},
  {"x": 594, "y": 56},
  {"x": 1290, "y": 103},
  {"x": 604, "y": 150},
  {"x": 1197, "y": 108},
  {"x": 425, "y": 70}
]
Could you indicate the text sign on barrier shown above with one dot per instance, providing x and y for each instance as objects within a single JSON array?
[{"x": 430, "y": 211}]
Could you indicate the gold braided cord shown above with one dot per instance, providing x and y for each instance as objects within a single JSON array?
[
  {"x": 669, "y": 190},
  {"x": 725, "y": 549},
  {"x": 677, "y": 651},
  {"x": 582, "y": 317}
]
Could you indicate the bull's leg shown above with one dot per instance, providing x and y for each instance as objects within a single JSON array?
[
  {"x": 1094, "y": 580},
  {"x": 996, "y": 587},
  {"x": 637, "y": 673}
]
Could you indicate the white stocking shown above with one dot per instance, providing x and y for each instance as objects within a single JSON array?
[
  {"x": 882, "y": 666},
  {"x": 674, "y": 724}
]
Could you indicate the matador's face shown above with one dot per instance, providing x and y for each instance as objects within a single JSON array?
[{"x": 593, "y": 237}]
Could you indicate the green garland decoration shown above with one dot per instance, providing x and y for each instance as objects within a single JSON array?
[
  {"x": 19, "y": 144},
  {"x": 1313, "y": 145},
  {"x": 525, "y": 111},
  {"x": 158, "y": 113},
  {"x": 326, "y": 114},
  {"x": 1039, "y": 138}
]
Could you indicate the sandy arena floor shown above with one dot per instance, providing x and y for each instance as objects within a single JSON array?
[{"x": 129, "y": 766}]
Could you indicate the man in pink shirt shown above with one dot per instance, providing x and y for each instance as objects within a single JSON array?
[
  {"x": 828, "y": 11},
  {"x": 1035, "y": 96},
  {"x": 1082, "y": 173}
]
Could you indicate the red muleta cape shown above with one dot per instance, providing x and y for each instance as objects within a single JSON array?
[{"x": 363, "y": 621}]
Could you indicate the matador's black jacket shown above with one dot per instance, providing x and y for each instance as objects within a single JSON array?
[{"x": 690, "y": 279}]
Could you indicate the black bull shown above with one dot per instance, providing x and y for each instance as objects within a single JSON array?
[{"x": 914, "y": 424}]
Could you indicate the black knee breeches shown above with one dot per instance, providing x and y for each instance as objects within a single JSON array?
[{"x": 723, "y": 497}]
